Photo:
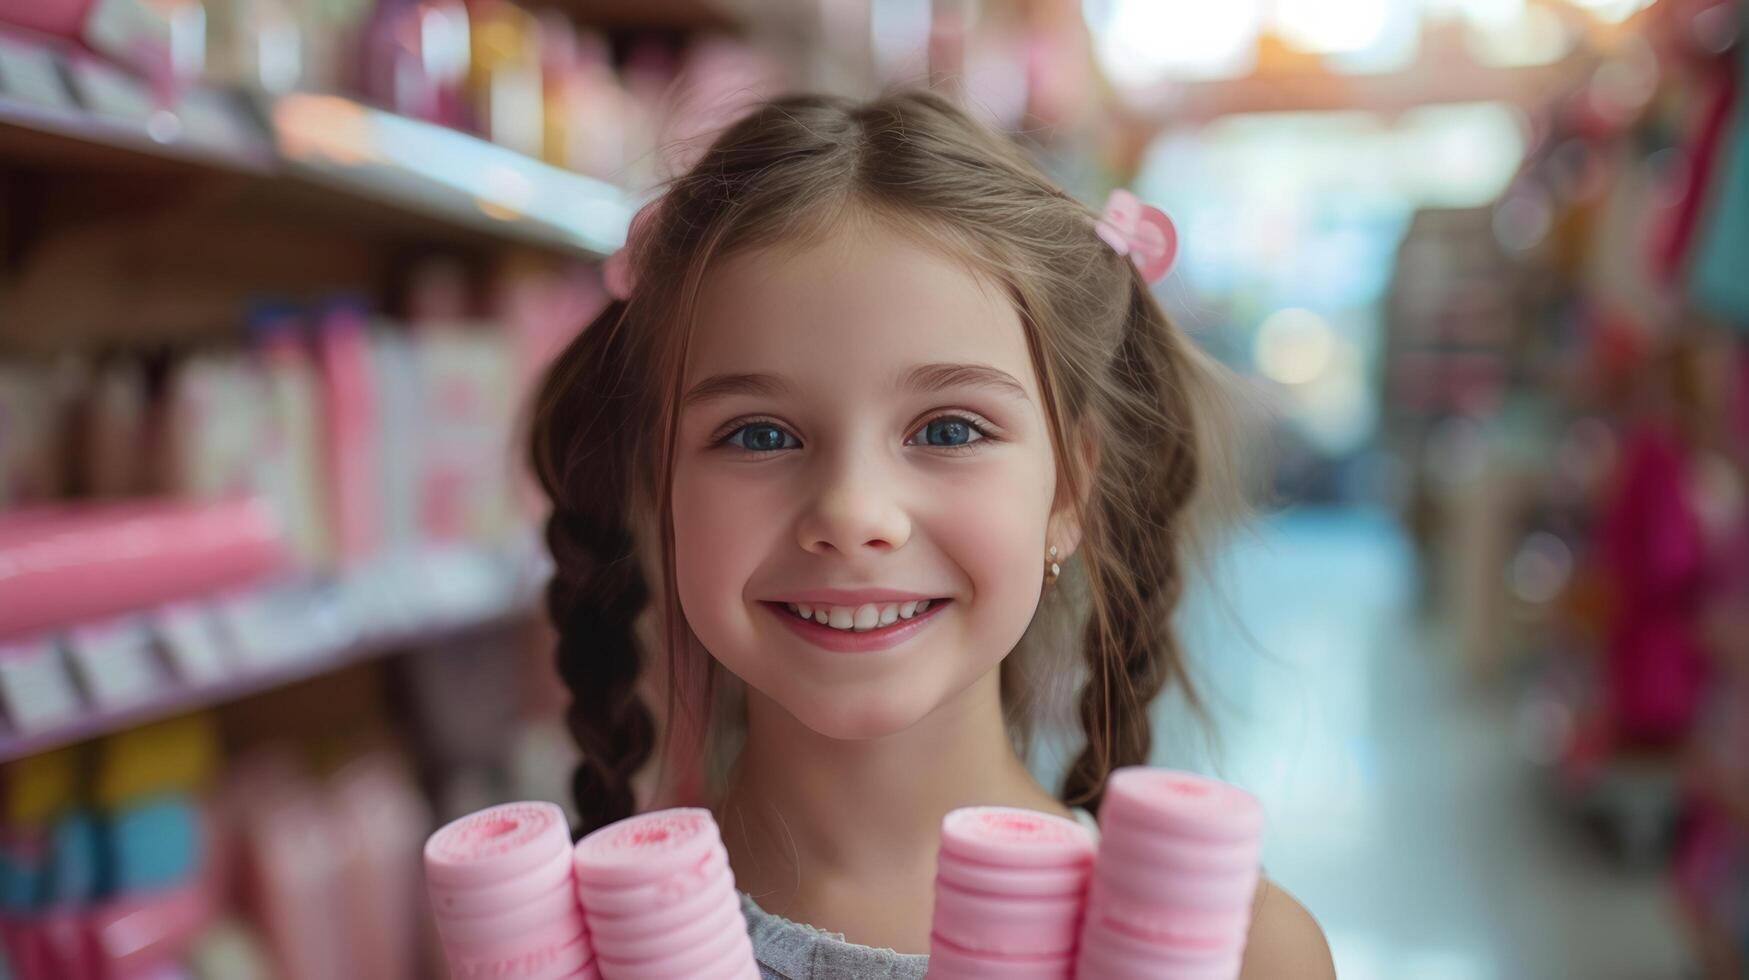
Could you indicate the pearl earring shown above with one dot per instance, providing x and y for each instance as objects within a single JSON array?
[{"x": 1055, "y": 569}]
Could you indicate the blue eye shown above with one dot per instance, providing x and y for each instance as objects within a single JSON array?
[
  {"x": 762, "y": 437},
  {"x": 951, "y": 431}
]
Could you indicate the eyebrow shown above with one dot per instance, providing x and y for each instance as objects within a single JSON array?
[{"x": 922, "y": 378}]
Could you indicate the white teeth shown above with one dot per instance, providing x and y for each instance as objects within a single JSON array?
[{"x": 859, "y": 618}]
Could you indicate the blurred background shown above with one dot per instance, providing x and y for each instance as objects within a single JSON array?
[{"x": 276, "y": 275}]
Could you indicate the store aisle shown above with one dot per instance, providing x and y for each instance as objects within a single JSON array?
[{"x": 1400, "y": 812}]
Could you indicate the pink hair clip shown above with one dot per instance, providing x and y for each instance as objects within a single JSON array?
[
  {"x": 617, "y": 273},
  {"x": 1140, "y": 231}
]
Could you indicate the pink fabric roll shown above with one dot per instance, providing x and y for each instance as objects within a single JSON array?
[{"x": 948, "y": 961}]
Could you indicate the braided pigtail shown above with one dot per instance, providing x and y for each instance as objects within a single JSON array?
[
  {"x": 1155, "y": 396},
  {"x": 583, "y": 458}
]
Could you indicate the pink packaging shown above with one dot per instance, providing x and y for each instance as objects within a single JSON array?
[
  {"x": 384, "y": 819},
  {"x": 144, "y": 556},
  {"x": 349, "y": 422}
]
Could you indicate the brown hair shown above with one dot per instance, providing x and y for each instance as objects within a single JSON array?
[{"x": 1114, "y": 374}]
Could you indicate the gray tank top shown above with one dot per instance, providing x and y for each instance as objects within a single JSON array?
[{"x": 789, "y": 950}]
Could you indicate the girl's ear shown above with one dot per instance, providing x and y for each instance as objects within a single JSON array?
[{"x": 1064, "y": 530}]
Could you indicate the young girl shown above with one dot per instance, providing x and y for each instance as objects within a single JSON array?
[{"x": 873, "y": 384}]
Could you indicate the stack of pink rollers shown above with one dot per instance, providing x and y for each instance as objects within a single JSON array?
[
  {"x": 660, "y": 899},
  {"x": 1179, "y": 860},
  {"x": 1010, "y": 885},
  {"x": 506, "y": 903}
]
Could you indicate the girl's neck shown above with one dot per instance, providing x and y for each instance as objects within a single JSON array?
[{"x": 811, "y": 822}]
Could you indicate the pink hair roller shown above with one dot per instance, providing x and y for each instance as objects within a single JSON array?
[
  {"x": 719, "y": 954},
  {"x": 1169, "y": 803},
  {"x": 950, "y": 962},
  {"x": 487, "y": 899},
  {"x": 1171, "y": 925},
  {"x": 501, "y": 883},
  {"x": 659, "y": 897},
  {"x": 1174, "y": 880},
  {"x": 558, "y": 904},
  {"x": 1010, "y": 837},
  {"x": 1013, "y": 925},
  {"x": 550, "y": 962},
  {"x": 640, "y": 901},
  {"x": 689, "y": 909},
  {"x": 713, "y": 924},
  {"x": 992, "y": 880},
  {"x": 495, "y": 844},
  {"x": 1010, "y": 885},
  {"x": 1112, "y": 954}
]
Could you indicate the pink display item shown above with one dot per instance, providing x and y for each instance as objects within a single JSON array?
[
  {"x": 1166, "y": 924},
  {"x": 701, "y": 902},
  {"x": 547, "y": 962},
  {"x": 724, "y": 953},
  {"x": 707, "y": 928},
  {"x": 949, "y": 961},
  {"x": 495, "y": 845},
  {"x": 558, "y": 904},
  {"x": 642, "y": 901},
  {"x": 1111, "y": 954},
  {"x": 1012, "y": 837},
  {"x": 645, "y": 848},
  {"x": 974, "y": 876},
  {"x": 486, "y": 899},
  {"x": 1179, "y": 804},
  {"x": 1013, "y": 926}
]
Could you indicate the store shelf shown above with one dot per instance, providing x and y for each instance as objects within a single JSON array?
[
  {"x": 355, "y": 150},
  {"x": 325, "y": 151},
  {"x": 441, "y": 615}
]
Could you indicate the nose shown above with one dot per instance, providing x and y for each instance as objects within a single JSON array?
[{"x": 855, "y": 507}]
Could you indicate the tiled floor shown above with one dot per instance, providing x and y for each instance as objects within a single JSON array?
[{"x": 1399, "y": 812}]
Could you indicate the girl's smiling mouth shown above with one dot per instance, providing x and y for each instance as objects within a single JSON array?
[{"x": 872, "y": 626}]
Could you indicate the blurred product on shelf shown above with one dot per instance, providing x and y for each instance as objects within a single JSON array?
[
  {"x": 151, "y": 852},
  {"x": 342, "y": 481},
  {"x": 146, "y": 554}
]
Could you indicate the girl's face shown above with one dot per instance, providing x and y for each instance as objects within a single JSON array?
[{"x": 861, "y": 416}]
